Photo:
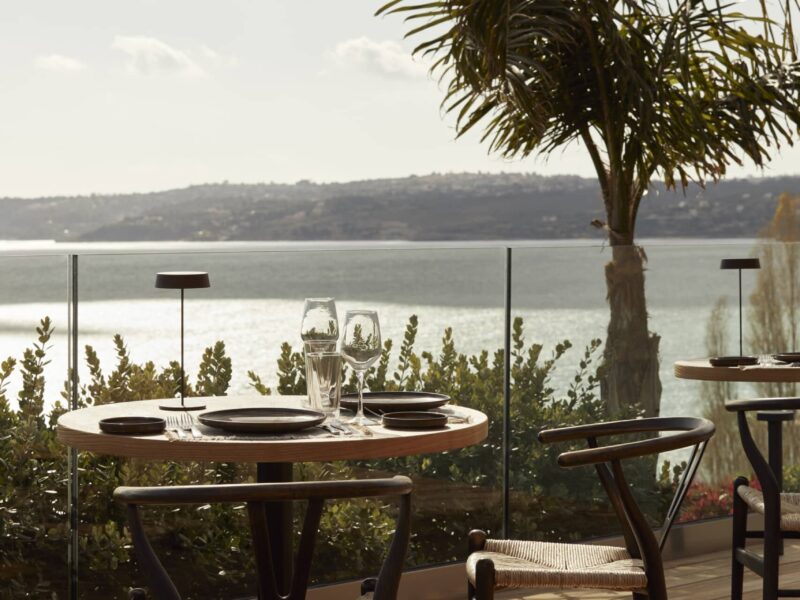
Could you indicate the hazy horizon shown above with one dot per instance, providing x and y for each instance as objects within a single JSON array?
[{"x": 591, "y": 176}]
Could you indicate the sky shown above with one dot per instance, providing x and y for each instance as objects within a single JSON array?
[{"x": 114, "y": 96}]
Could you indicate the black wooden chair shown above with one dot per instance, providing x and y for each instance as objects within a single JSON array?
[
  {"x": 781, "y": 511},
  {"x": 257, "y": 496},
  {"x": 637, "y": 567}
]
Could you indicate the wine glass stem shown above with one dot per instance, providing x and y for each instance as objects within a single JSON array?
[{"x": 360, "y": 413}]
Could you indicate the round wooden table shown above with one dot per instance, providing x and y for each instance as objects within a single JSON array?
[
  {"x": 79, "y": 429},
  {"x": 274, "y": 456},
  {"x": 700, "y": 369}
]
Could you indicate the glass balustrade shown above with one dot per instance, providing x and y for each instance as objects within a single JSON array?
[{"x": 442, "y": 306}]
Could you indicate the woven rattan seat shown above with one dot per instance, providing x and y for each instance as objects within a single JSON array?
[
  {"x": 790, "y": 506},
  {"x": 519, "y": 564}
]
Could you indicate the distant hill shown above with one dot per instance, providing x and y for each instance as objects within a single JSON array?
[{"x": 432, "y": 207}]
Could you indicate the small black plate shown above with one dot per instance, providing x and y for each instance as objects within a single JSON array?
[
  {"x": 414, "y": 420},
  {"x": 787, "y": 357},
  {"x": 132, "y": 425},
  {"x": 733, "y": 361},
  {"x": 262, "y": 420},
  {"x": 384, "y": 402}
]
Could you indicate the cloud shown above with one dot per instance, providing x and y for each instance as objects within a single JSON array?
[
  {"x": 215, "y": 59},
  {"x": 147, "y": 56},
  {"x": 386, "y": 58},
  {"x": 60, "y": 63}
]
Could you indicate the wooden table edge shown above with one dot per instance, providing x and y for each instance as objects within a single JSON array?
[
  {"x": 303, "y": 450},
  {"x": 701, "y": 370}
]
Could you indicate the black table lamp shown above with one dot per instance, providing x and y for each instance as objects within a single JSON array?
[
  {"x": 739, "y": 264},
  {"x": 182, "y": 280}
]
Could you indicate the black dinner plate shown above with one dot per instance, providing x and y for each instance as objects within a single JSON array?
[
  {"x": 414, "y": 420},
  {"x": 733, "y": 361},
  {"x": 787, "y": 357},
  {"x": 132, "y": 425},
  {"x": 262, "y": 420},
  {"x": 384, "y": 402}
]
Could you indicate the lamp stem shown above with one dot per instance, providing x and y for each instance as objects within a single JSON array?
[
  {"x": 741, "y": 352},
  {"x": 183, "y": 373}
]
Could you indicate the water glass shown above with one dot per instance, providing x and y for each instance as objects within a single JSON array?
[
  {"x": 319, "y": 330},
  {"x": 767, "y": 360},
  {"x": 326, "y": 381}
]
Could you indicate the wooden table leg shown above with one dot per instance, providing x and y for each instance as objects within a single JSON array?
[{"x": 279, "y": 522}]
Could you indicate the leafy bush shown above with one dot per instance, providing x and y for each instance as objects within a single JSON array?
[{"x": 209, "y": 545}]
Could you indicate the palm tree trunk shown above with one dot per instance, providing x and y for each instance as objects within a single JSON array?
[{"x": 629, "y": 375}]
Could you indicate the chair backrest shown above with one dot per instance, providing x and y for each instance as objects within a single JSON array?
[
  {"x": 256, "y": 496},
  {"x": 686, "y": 432}
]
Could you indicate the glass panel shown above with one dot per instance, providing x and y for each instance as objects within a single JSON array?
[
  {"x": 254, "y": 306},
  {"x": 33, "y": 465},
  {"x": 442, "y": 311},
  {"x": 594, "y": 367}
]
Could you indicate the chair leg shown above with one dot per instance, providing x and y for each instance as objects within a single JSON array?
[
  {"x": 772, "y": 537},
  {"x": 484, "y": 580},
  {"x": 471, "y": 592},
  {"x": 739, "y": 539},
  {"x": 771, "y": 560},
  {"x": 475, "y": 543}
]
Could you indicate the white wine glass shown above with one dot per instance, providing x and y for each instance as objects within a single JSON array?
[{"x": 361, "y": 347}]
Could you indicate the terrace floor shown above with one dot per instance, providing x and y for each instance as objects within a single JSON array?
[{"x": 703, "y": 577}]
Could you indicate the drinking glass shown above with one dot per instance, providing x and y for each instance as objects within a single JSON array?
[
  {"x": 319, "y": 330},
  {"x": 361, "y": 347},
  {"x": 320, "y": 323},
  {"x": 326, "y": 379},
  {"x": 767, "y": 360}
]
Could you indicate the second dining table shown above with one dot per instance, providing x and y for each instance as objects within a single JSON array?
[{"x": 274, "y": 454}]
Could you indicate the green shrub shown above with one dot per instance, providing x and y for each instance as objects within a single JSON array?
[{"x": 210, "y": 545}]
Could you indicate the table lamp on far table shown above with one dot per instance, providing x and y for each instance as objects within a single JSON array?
[
  {"x": 739, "y": 264},
  {"x": 182, "y": 280}
]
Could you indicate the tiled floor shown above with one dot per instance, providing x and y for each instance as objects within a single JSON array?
[{"x": 704, "y": 577}]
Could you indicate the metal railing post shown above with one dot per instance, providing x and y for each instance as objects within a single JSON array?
[
  {"x": 507, "y": 397},
  {"x": 72, "y": 456}
]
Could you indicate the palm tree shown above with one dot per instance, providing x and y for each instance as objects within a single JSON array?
[{"x": 675, "y": 89}]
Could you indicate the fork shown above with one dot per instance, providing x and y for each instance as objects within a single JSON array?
[
  {"x": 341, "y": 429},
  {"x": 186, "y": 423},
  {"x": 173, "y": 424}
]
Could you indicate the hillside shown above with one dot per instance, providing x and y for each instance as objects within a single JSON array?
[{"x": 432, "y": 207}]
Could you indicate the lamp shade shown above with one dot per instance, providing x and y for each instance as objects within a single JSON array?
[
  {"x": 182, "y": 280},
  {"x": 740, "y": 263}
]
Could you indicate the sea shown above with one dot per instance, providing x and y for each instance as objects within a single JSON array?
[{"x": 257, "y": 290}]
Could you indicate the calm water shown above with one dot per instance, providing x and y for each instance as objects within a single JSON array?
[{"x": 256, "y": 299}]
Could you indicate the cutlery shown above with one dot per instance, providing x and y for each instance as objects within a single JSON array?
[
  {"x": 172, "y": 424},
  {"x": 187, "y": 424},
  {"x": 331, "y": 429},
  {"x": 344, "y": 430}
]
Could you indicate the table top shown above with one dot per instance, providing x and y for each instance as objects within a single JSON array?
[
  {"x": 702, "y": 370},
  {"x": 79, "y": 429}
]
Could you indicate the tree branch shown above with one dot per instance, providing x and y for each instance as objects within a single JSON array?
[{"x": 594, "y": 153}]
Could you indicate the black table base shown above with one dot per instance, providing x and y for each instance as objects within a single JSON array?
[{"x": 279, "y": 522}]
